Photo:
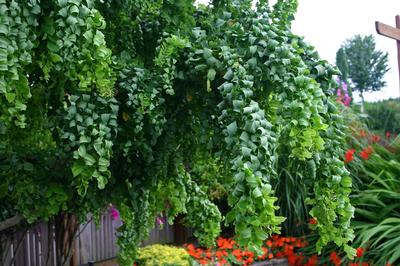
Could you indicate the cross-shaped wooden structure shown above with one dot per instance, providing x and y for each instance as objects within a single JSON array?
[{"x": 391, "y": 32}]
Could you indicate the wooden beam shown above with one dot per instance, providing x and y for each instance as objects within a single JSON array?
[
  {"x": 13, "y": 221},
  {"x": 387, "y": 30}
]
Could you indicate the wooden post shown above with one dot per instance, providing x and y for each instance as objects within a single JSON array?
[
  {"x": 391, "y": 32},
  {"x": 398, "y": 45}
]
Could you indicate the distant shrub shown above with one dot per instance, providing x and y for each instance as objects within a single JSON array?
[
  {"x": 162, "y": 255},
  {"x": 384, "y": 115}
]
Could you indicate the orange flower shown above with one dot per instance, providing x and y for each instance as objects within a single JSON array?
[
  {"x": 237, "y": 252},
  {"x": 363, "y": 133},
  {"x": 223, "y": 262},
  {"x": 225, "y": 243},
  {"x": 203, "y": 262},
  {"x": 369, "y": 150},
  {"x": 221, "y": 253}
]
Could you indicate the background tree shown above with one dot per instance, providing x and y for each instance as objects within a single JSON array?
[
  {"x": 341, "y": 63},
  {"x": 366, "y": 65}
]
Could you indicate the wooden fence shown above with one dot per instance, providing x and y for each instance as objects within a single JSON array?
[{"x": 93, "y": 243}]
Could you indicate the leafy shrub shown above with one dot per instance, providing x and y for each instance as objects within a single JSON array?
[{"x": 162, "y": 255}]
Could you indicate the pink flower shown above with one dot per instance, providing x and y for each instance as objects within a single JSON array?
[
  {"x": 347, "y": 100},
  {"x": 114, "y": 213},
  {"x": 160, "y": 221}
]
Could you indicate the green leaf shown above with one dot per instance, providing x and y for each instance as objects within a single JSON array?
[
  {"x": 346, "y": 181},
  {"x": 260, "y": 234},
  {"x": 232, "y": 128},
  {"x": 78, "y": 168},
  {"x": 98, "y": 38},
  {"x": 257, "y": 193},
  {"x": 246, "y": 233},
  {"x": 211, "y": 74},
  {"x": 10, "y": 97}
]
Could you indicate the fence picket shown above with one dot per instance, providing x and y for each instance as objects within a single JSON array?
[{"x": 92, "y": 243}]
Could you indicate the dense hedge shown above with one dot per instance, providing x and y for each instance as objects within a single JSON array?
[{"x": 384, "y": 115}]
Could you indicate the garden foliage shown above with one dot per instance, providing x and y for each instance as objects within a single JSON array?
[
  {"x": 374, "y": 162},
  {"x": 123, "y": 101},
  {"x": 384, "y": 116}
]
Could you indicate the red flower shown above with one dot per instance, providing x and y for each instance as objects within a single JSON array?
[
  {"x": 388, "y": 134},
  {"x": 376, "y": 138},
  {"x": 313, "y": 221},
  {"x": 360, "y": 252},
  {"x": 335, "y": 258},
  {"x": 348, "y": 157},
  {"x": 366, "y": 152},
  {"x": 313, "y": 261},
  {"x": 363, "y": 133}
]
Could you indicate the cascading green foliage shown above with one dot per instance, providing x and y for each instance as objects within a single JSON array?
[
  {"x": 131, "y": 99},
  {"x": 18, "y": 38},
  {"x": 90, "y": 127},
  {"x": 76, "y": 47}
]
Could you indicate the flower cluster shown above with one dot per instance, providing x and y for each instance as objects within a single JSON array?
[
  {"x": 227, "y": 252},
  {"x": 365, "y": 153},
  {"x": 343, "y": 94}
]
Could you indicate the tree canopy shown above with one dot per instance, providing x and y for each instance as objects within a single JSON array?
[{"x": 143, "y": 103}]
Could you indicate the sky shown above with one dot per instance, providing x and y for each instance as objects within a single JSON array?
[{"x": 326, "y": 24}]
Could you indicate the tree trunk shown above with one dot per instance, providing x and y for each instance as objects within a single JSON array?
[
  {"x": 66, "y": 227},
  {"x": 362, "y": 102}
]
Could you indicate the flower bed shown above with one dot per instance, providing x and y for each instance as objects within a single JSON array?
[
  {"x": 227, "y": 252},
  {"x": 286, "y": 249}
]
